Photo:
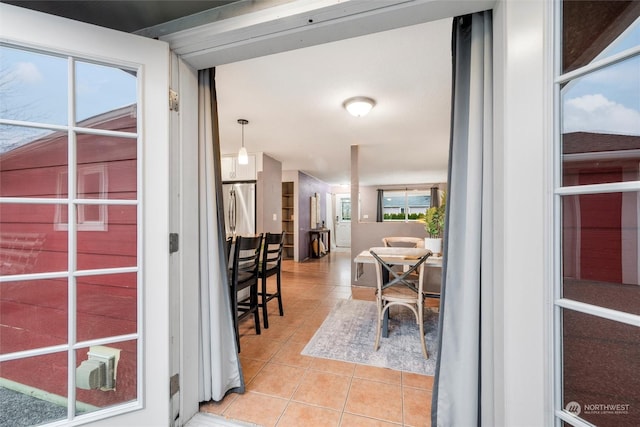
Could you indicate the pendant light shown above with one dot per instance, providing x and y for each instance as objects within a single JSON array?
[{"x": 243, "y": 157}]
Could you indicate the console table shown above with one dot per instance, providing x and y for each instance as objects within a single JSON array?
[{"x": 322, "y": 235}]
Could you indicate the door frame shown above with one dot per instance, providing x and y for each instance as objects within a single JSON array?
[{"x": 521, "y": 165}]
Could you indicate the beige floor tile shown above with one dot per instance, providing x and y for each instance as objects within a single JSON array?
[
  {"x": 416, "y": 407},
  {"x": 257, "y": 347},
  {"x": 410, "y": 379},
  {"x": 323, "y": 389},
  {"x": 278, "y": 330},
  {"x": 299, "y": 415},
  {"x": 218, "y": 407},
  {"x": 303, "y": 334},
  {"x": 375, "y": 400},
  {"x": 256, "y": 408},
  {"x": 250, "y": 367},
  {"x": 289, "y": 354},
  {"x": 351, "y": 420},
  {"x": 333, "y": 366},
  {"x": 384, "y": 375},
  {"x": 277, "y": 380}
]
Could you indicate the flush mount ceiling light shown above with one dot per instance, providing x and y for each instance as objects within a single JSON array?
[
  {"x": 359, "y": 105},
  {"x": 243, "y": 157}
]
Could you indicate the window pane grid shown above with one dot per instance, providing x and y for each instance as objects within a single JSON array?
[
  {"x": 590, "y": 155},
  {"x": 86, "y": 202},
  {"x": 594, "y": 310},
  {"x": 595, "y": 66}
]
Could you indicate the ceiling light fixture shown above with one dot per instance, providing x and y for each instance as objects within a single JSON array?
[
  {"x": 359, "y": 105},
  {"x": 243, "y": 157}
]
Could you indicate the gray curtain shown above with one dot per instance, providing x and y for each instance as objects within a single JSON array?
[
  {"x": 380, "y": 207},
  {"x": 463, "y": 387},
  {"x": 219, "y": 367},
  {"x": 435, "y": 197}
]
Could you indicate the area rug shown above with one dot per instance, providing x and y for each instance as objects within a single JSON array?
[{"x": 348, "y": 334}]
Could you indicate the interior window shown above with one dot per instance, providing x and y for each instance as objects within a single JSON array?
[{"x": 405, "y": 205}]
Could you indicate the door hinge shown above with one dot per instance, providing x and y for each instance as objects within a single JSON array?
[
  {"x": 173, "y": 100},
  {"x": 174, "y": 385},
  {"x": 174, "y": 242}
]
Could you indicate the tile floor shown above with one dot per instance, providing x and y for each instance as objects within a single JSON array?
[{"x": 284, "y": 388}]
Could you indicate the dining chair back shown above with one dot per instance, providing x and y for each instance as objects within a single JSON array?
[
  {"x": 244, "y": 275},
  {"x": 407, "y": 242},
  {"x": 398, "y": 288},
  {"x": 271, "y": 264}
]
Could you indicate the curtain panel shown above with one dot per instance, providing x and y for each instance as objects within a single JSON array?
[
  {"x": 380, "y": 207},
  {"x": 219, "y": 367},
  {"x": 463, "y": 386}
]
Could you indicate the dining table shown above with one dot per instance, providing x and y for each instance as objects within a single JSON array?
[{"x": 397, "y": 256}]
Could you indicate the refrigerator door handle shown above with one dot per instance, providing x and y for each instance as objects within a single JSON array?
[{"x": 232, "y": 211}]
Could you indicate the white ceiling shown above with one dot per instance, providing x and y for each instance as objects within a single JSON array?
[{"x": 293, "y": 101}]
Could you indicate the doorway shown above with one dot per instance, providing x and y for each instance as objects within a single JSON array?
[{"x": 343, "y": 220}]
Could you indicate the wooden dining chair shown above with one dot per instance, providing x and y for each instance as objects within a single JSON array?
[
  {"x": 400, "y": 290},
  {"x": 271, "y": 264},
  {"x": 244, "y": 275}
]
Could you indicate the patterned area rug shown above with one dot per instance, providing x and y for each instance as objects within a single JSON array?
[{"x": 348, "y": 334}]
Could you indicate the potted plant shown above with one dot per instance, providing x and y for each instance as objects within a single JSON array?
[{"x": 434, "y": 226}]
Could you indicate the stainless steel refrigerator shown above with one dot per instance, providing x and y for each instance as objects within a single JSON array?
[{"x": 239, "y": 208}]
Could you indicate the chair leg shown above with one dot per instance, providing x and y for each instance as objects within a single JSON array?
[
  {"x": 265, "y": 299},
  {"x": 421, "y": 322},
  {"x": 254, "y": 307},
  {"x": 381, "y": 311},
  {"x": 279, "y": 293}
]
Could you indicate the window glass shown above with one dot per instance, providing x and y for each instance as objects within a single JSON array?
[
  {"x": 107, "y": 167},
  {"x": 113, "y": 389},
  {"x": 101, "y": 92},
  {"x": 29, "y": 242},
  {"x": 405, "y": 205},
  {"x": 600, "y": 244},
  {"x": 107, "y": 305},
  {"x": 33, "y": 87},
  {"x": 24, "y": 378},
  {"x": 345, "y": 209},
  {"x": 597, "y": 29},
  {"x": 111, "y": 241},
  {"x": 33, "y": 313},
  {"x": 601, "y": 361},
  {"x": 30, "y": 161},
  {"x": 601, "y": 126}
]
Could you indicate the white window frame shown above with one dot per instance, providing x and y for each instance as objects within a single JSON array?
[
  {"x": 560, "y": 303},
  {"x": 406, "y": 207}
]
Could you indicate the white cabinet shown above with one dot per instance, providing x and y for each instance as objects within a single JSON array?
[{"x": 233, "y": 171}]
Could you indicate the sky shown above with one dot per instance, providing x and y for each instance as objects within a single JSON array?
[
  {"x": 608, "y": 100},
  {"x": 34, "y": 88}
]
